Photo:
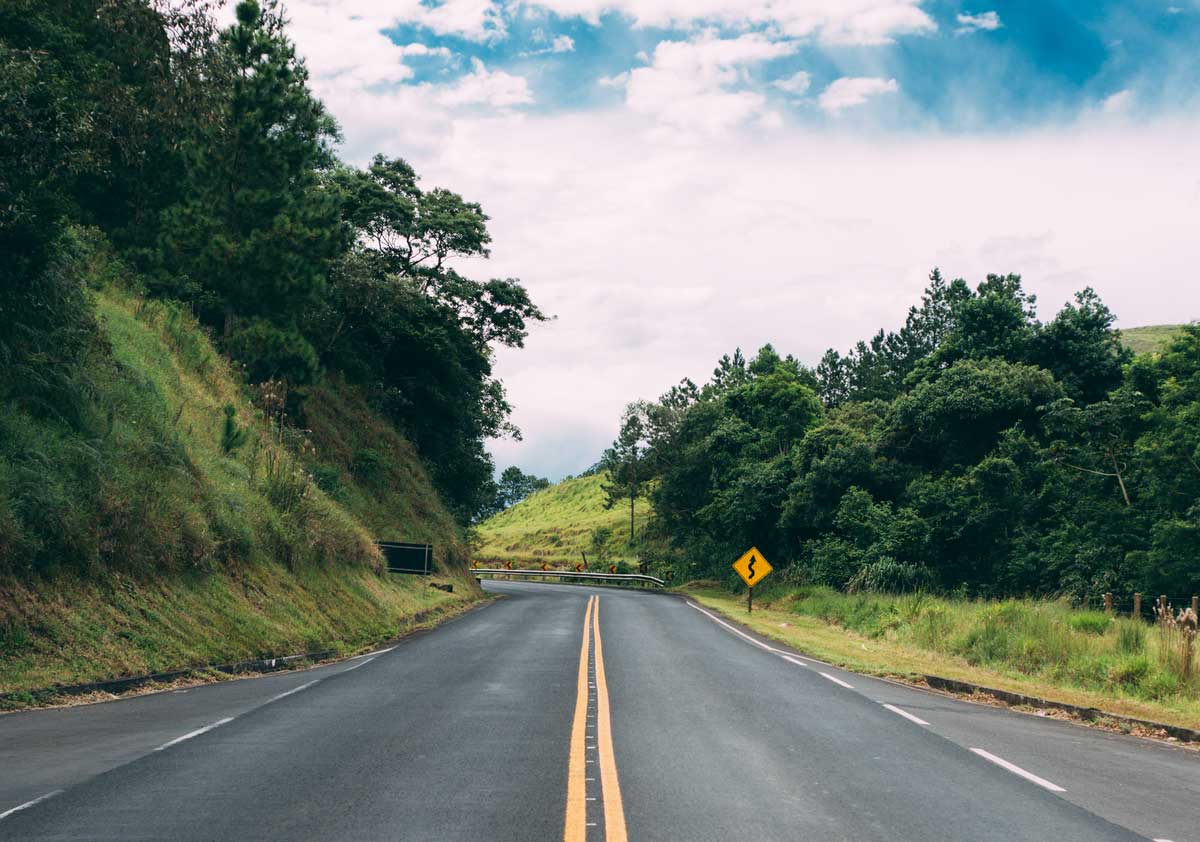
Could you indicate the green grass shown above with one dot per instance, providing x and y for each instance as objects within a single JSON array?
[
  {"x": 1144, "y": 340},
  {"x": 556, "y": 524},
  {"x": 133, "y": 541},
  {"x": 1037, "y": 647}
]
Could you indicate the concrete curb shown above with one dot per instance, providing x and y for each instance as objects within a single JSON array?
[
  {"x": 951, "y": 685},
  {"x": 117, "y": 686}
]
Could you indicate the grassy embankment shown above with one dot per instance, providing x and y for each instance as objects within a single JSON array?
[
  {"x": 1035, "y": 647},
  {"x": 1142, "y": 340},
  {"x": 556, "y": 524},
  {"x": 150, "y": 546}
]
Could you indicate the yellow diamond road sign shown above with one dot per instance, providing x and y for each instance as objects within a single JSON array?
[{"x": 752, "y": 567}]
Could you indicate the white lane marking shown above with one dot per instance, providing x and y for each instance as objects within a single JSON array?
[
  {"x": 374, "y": 654},
  {"x": 1017, "y": 770},
  {"x": 792, "y": 660},
  {"x": 738, "y": 632},
  {"x": 360, "y": 664},
  {"x": 906, "y": 715},
  {"x": 195, "y": 733},
  {"x": 29, "y": 804},
  {"x": 1156, "y": 840},
  {"x": 837, "y": 680},
  {"x": 287, "y": 693}
]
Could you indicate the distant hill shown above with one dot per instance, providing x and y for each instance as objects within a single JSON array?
[
  {"x": 556, "y": 524},
  {"x": 1142, "y": 340}
]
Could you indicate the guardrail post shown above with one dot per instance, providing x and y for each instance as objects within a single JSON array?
[{"x": 1137, "y": 605}]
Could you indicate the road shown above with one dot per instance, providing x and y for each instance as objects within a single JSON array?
[{"x": 573, "y": 713}]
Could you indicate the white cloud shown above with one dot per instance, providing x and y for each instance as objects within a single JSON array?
[
  {"x": 659, "y": 252},
  {"x": 486, "y": 87},
  {"x": 797, "y": 84},
  {"x": 691, "y": 84},
  {"x": 833, "y": 21},
  {"x": 618, "y": 80},
  {"x": 988, "y": 21},
  {"x": 418, "y": 49},
  {"x": 562, "y": 44},
  {"x": 850, "y": 91},
  {"x": 1117, "y": 103}
]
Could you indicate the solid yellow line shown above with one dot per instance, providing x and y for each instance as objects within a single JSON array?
[
  {"x": 614, "y": 807},
  {"x": 575, "y": 827}
]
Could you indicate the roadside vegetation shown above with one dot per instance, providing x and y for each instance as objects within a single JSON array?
[
  {"x": 229, "y": 361},
  {"x": 1042, "y": 648},
  {"x": 559, "y": 525}
]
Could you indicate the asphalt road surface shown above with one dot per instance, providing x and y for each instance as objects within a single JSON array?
[{"x": 573, "y": 713}]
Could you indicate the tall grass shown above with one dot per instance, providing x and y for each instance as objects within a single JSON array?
[{"x": 1039, "y": 638}]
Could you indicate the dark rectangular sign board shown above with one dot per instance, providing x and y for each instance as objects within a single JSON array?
[{"x": 407, "y": 558}]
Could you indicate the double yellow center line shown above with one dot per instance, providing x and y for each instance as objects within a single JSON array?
[{"x": 582, "y": 754}]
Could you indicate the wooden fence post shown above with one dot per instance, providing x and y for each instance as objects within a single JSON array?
[
  {"x": 1108, "y": 603},
  {"x": 1162, "y": 608},
  {"x": 1196, "y": 605},
  {"x": 1137, "y": 606}
]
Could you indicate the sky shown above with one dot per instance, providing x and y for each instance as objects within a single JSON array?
[{"x": 674, "y": 179}]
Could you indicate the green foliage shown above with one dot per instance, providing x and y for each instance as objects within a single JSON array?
[
  {"x": 976, "y": 451},
  {"x": 232, "y": 436}
]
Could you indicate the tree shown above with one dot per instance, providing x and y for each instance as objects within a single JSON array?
[
  {"x": 257, "y": 233},
  {"x": 515, "y": 485},
  {"x": 626, "y": 463}
]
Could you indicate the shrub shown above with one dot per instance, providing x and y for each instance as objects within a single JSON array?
[
  {"x": 1131, "y": 637},
  {"x": 329, "y": 479},
  {"x": 273, "y": 353},
  {"x": 1129, "y": 671},
  {"x": 366, "y": 464},
  {"x": 232, "y": 436},
  {"x": 887, "y": 575},
  {"x": 1089, "y": 622}
]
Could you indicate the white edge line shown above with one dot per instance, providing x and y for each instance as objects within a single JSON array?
[
  {"x": 738, "y": 632},
  {"x": 29, "y": 804},
  {"x": 906, "y": 715},
  {"x": 1017, "y": 770},
  {"x": 287, "y": 693},
  {"x": 360, "y": 664},
  {"x": 792, "y": 660},
  {"x": 376, "y": 653},
  {"x": 837, "y": 680},
  {"x": 195, "y": 733},
  {"x": 1156, "y": 840}
]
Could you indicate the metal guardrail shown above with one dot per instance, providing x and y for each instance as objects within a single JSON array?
[{"x": 572, "y": 574}]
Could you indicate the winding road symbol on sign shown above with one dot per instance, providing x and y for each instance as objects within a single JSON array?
[{"x": 752, "y": 567}]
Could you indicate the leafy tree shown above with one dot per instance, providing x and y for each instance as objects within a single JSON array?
[
  {"x": 627, "y": 464},
  {"x": 515, "y": 485}
]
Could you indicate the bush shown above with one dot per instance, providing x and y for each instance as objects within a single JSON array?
[
  {"x": 366, "y": 464},
  {"x": 890, "y": 576},
  {"x": 329, "y": 479},
  {"x": 1089, "y": 622},
  {"x": 273, "y": 353},
  {"x": 1131, "y": 637},
  {"x": 1129, "y": 671}
]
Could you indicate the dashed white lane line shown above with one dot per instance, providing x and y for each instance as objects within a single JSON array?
[
  {"x": 1156, "y": 840},
  {"x": 29, "y": 804},
  {"x": 195, "y": 733},
  {"x": 360, "y": 664},
  {"x": 837, "y": 681},
  {"x": 738, "y": 632},
  {"x": 792, "y": 660},
  {"x": 906, "y": 714},
  {"x": 1017, "y": 770},
  {"x": 287, "y": 693}
]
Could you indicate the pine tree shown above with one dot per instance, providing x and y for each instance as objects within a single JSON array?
[{"x": 259, "y": 228}]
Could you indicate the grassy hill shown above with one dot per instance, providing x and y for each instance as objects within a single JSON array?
[
  {"x": 133, "y": 540},
  {"x": 556, "y": 524},
  {"x": 1142, "y": 340}
]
